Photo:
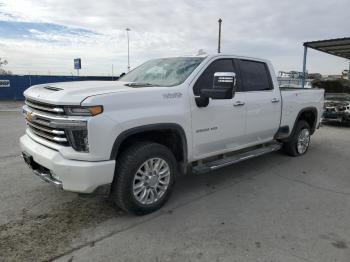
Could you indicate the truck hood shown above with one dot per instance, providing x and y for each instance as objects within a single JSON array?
[{"x": 72, "y": 93}]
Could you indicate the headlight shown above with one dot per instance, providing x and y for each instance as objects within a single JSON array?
[
  {"x": 83, "y": 110},
  {"x": 78, "y": 135},
  {"x": 78, "y": 139}
]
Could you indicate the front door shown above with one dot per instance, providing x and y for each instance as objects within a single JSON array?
[{"x": 220, "y": 126}]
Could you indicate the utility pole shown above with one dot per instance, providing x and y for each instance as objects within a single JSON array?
[
  {"x": 219, "y": 42},
  {"x": 127, "y": 33},
  {"x": 304, "y": 67}
]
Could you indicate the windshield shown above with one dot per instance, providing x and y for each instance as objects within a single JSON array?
[{"x": 164, "y": 71}]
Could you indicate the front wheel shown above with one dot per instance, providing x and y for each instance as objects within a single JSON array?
[
  {"x": 299, "y": 142},
  {"x": 144, "y": 178}
]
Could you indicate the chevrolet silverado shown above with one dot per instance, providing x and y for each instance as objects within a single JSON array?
[{"x": 131, "y": 138}]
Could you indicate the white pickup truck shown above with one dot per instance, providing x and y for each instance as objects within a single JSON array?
[{"x": 167, "y": 117}]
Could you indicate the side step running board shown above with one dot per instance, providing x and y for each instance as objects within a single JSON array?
[{"x": 226, "y": 161}]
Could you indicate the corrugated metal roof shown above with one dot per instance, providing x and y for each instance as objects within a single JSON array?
[{"x": 338, "y": 46}]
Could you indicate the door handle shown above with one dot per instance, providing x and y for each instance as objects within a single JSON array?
[
  {"x": 275, "y": 100},
  {"x": 239, "y": 103}
]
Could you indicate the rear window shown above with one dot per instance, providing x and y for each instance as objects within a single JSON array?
[{"x": 255, "y": 76}]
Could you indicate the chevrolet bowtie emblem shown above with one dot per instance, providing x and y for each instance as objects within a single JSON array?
[{"x": 30, "y": 116}]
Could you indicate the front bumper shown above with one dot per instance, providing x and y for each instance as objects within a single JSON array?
[{"x": 71, "y": 175}]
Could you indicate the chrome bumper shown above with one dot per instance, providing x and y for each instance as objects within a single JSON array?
[
  {"x": 48, "y": 178},
  {"x": 40, "y": 171}
]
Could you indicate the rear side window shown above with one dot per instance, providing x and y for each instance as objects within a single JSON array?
[
  {"x": 255, "y": 76},
  {"x": 206, "y": 79}
]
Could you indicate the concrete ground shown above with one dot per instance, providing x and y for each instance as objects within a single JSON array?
[{"x": 272, "y": 208}]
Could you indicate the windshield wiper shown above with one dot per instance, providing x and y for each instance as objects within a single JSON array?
[{"x": 139, "y": 84}]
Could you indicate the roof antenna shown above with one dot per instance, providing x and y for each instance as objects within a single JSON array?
[{"x": 219, "y": 42}]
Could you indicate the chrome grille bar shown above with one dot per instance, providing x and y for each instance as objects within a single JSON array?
[
  {"x": 52, "y": 131},
  {"x": 43, "y": 107},
  {"x": 52, "y": 138}
]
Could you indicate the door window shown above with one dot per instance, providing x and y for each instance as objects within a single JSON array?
[
  {"x": 207, "y": 77},
  {"x": 255, "y": 76}
]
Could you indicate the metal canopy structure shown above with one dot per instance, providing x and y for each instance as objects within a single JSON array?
[{"x": 338, "y": 47}]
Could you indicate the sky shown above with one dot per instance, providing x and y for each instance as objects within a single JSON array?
[{"x": 44, "y": 36}]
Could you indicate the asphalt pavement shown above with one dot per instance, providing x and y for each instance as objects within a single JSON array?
[{"x": 271, "y": 208}]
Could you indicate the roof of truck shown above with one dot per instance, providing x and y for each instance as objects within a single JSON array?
[
  {"x": 239, "y": 56},
  {"x": 205, "y": 55}
]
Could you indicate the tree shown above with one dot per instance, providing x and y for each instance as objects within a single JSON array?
[{"x": 4, "y": 62}]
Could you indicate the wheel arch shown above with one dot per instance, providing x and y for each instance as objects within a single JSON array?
[
  {"x": 309, "y": 114},
  {"x": 152, "y": 132}
]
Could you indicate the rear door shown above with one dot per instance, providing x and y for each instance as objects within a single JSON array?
[{"x": 263, "y": 101}]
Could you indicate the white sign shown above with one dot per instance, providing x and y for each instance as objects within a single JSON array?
[{"x": 4, "y": 83}]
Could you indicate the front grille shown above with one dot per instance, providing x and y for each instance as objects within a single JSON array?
[
  {"x": 43, "y": 128},
  {"x": 44, "y": 107},
  {"x": 49, "y": 122},
  {"x": 42, "y": 124}
]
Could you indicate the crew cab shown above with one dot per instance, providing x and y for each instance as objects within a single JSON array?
[{"x": 169, "y": 116}]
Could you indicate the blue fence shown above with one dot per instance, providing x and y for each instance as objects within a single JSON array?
[{"x": 13, "y": 86}]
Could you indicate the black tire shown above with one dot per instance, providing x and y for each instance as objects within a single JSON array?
[
  {"x": 127, "y": 165},
  {"x": 291, "y": 147}
]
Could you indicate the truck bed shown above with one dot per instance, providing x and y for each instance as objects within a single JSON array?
[{"x": 296, "y": 99}]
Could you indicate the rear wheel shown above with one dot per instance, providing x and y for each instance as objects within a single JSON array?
[
  {"x": 144, "y": 178},
  {"x": 299, "y": 142}
]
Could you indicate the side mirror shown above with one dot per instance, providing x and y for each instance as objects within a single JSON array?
[{"x": 223, "y": 86}]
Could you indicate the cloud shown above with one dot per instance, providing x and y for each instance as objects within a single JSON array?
[{"x": 95, "y": 31}]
